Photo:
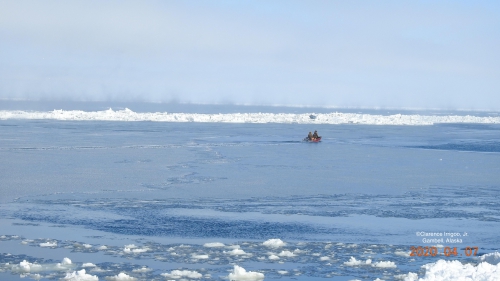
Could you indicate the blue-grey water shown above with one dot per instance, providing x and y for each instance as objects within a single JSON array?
[{"x": 364, "y": 191}]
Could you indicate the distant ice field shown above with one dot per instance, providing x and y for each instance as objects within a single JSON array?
[{"x": 219, "y": 200}]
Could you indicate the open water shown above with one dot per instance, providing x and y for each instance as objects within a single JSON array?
[{"x": 147, "y": 198}]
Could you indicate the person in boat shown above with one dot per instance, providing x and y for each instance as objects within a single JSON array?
[
  {"x": 310, "y": 136},
  {"x": 315, "y": 135}
]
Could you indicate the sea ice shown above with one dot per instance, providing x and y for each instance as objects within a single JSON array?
[
  {"x": 492, "y": 258},
  {"x": 274, "y": 243},
  {"x": 121, "y": 277},
  {"x": 80, "y": 275},
  {"x": 240, "y": 274},
  {"x": 286, "y": 254},
  {"x": 454, "y": 270},
  {"x": 48, "y": 244},
  {"x": 384, "y": 264},
  {"x": 213, "y": 245},
  {"x": 236, "y": 252},
  {"x": 176, "y": 274},
  {"x": 354, "y": 262}
]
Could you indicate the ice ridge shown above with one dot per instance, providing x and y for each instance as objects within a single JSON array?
[{"x": 289, "y": 118}]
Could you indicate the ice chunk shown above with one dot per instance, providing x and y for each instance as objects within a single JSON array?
[
  {"x": 213, "y": 245},
  {"x": 354, "y": 262},
  {"x": 491, "y": 258},
  {"x": 384, "y": 264},
  {"x": 135, "y": 250},
  {"x": 48, "y": 244},
  {"x": 199, "y": 257},
  {"x": 239, "y": 273},
  {"x": 454, "y": 270},
  {"x": 80, "y": 276},
  {"x": 142, "y": 269},
  {"x": 274, "y": 243},
  {"x": 176, "y": 274},
  {"x": 273, "y": 257},
  {"x": 286, "y": 254},
  {"x": 26, "y": 266},
  {"x": 121, "y": 277},
  {"x": 236, "y": 252},
  {"x": 403, "y": 253},
  {"x": 407, "y": 277}
]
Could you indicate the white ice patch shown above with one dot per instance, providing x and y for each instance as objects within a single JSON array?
[
  {"x": 274, "y": 243},
  {"x": 239, "y": 273},
  {"x": 121, "y": 277},
  {"x": 199, "y": 257},
  {"x": 176, "y": 274},
  {"x": 403, "y": 253},
  {"x": 142, "y": 269},
  {"x": 354, "y": 262},
  {"x": 80, "y": 275},
  {"x": 26, "y": 266},
  {"x": 48, "y": 244},
  {"x": 236, "y": 252},
  {"x": 299, "y": 251},
  {"x": 286, "y": 254},
  {"x": 385, "y": 264},
  {"x": 322, "y": 118},
  {"x": 454, "y": 270},
  {"x": 491, "y": 258},
  {"x": 407, "y": 277},
  {"x": 134, "y": 250},
  {"x": 213, "y": 245},
  {"x": 273, "y": 257}
]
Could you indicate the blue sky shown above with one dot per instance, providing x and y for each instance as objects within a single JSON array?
[{"x": 412, "y": 54}]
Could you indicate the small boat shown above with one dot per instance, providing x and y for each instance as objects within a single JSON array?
[{"x": 318, "y": 139}]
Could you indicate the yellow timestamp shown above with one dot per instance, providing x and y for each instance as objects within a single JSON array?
[{"x": 447, "y": 251}]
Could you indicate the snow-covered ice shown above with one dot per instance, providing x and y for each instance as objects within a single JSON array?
[
  {"x": 334, "y": 118},
  {"x": 240, "y": 274}
]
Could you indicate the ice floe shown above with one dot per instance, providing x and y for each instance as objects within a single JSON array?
[
  {"x": 176, "y": 274},
  {"x": 240, "y": 274},
  {"x": 454, "y": 270},
  {"x": 491, "y": 258},
  {"x": 274, "y": 243},
  {"x": 354, "y": 262},
  {"x": 121, "y": 277},
  {"x": 213, "y": 245},
  {"x": 385, "y": 262},
  {"x": 80, "y": 275}
]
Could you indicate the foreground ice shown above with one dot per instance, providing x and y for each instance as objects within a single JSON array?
[
  {"x": 307, "y": 118},
  {"x": 455, "y": 271},
  {"x": 80, "y": 275},
  {"x": 239, "y": 273},
  {"x": 298, "y": 260}
]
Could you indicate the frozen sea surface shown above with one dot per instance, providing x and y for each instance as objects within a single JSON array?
[{"x": 191, "y": 200}]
